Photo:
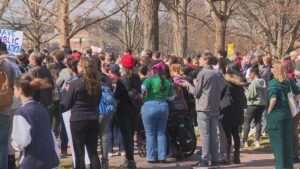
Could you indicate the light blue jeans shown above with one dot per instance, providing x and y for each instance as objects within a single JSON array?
[
  {"x": 208, "y": 123},
  {"x": 4, "y": 130},
  {"x": 155, "y": 117}
]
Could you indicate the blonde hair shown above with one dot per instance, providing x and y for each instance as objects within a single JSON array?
[{"x": 280, "y": 74}]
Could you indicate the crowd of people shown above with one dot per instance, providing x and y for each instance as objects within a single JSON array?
[{"x": 227, "y": 95}]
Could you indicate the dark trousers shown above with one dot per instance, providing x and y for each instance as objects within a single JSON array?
[
  {"x": 127, "y": 124},
  {"x": 295, "y": 135},
  {"x": 234, "y": 132},
  {"x": 85, "y": 133},
  {"x": 253, "y": 112},
  {"x": 63, "y": 132},
  {"x": 55, "y": 117}
]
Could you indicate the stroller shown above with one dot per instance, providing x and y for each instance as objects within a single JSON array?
[{"x": 181, "y": 138}]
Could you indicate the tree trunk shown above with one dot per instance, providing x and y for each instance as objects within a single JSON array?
[
  {"x": 36, "y": 45},
  {"x": 220, "y": 35},
  {"x": 151, "y": 24},
  {"x": 293, "y": 37},
  {"x": 178, "y": 12},
  {"x": 63, "y": 23},
  {"x": 179, "y": 23}
]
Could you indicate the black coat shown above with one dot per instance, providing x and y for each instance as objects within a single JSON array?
[
  {"x": 83, "y": 106},
  {"x": 125, "y": 106},
  {"x": 233, "y": 102}
]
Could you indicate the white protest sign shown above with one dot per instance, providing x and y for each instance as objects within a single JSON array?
[
  {"x": 13, "y": 40},
  {"x": 66, "y": 117},
  {"x": 96, "y": 49}
]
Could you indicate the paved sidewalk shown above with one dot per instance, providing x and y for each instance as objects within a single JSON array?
[{"x": 251, "y": 159}]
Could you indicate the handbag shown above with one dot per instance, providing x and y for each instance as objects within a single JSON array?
[{"x": 292, "y": 103}]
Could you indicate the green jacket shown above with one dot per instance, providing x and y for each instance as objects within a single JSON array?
[{"x": 256, "y": 93}]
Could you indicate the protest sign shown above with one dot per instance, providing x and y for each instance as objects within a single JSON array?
[
  {"x": 96, "y": 49},
  {"x": 13, "y": 40},
  {"x": 230, "y": 49}
]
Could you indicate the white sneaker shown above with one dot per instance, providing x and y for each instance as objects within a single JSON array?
[
  {"x": 110, "y": 154},
  {"x": 123, "y": 153},
  {"x": 252, "y": 131},
  {"x": 246, "y": 144},
  {"x": 256, "y": 144}
]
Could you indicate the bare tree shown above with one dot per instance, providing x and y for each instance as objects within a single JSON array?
[
  {"x": 35, "y": 22},
  {"x": 178, "y": 13},
  {"x": 3, "y": 7},
  {"x": 74, "y": 16},
  {"x": 128, "y": 24},
  {"x": 132, "y": 26},
  {"x": 220, "y": 11},
  {"x": 151, "y": 24},
  {"x": 277, "y": 23}
]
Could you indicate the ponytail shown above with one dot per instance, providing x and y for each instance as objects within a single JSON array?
[
  {"x": 162, "y": 79},
  {"x": 30, "y": 86}
]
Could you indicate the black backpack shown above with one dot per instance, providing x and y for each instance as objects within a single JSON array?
[{"x": 134, "y": 94}]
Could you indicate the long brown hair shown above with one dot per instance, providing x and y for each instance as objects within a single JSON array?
[{"x": 91, "y": 75}]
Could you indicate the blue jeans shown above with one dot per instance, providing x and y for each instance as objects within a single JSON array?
[
  {"x": 155, "y": 117},
  {"x": 4, "y": 130},
  {"x": 103, "y": 135},
  {"x": 207, "y": 123},
  {"x": 63, "y": 132},
  {"x": 113, "y": 134}
]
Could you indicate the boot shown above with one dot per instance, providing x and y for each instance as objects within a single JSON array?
[
  {"x": 236, "y": 158},
  {"x": 201, "y": 163},
  {"x": 228, "y": 158},
  {"x": 128, "y": 164},
  {"x": 12, "y": 162},
  {"x": 104, "y": 164}
]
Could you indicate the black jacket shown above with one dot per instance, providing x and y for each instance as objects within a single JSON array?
[
  {"x": 83, "y": 106},
  {"x": 189, "y": 98},
  {"x": 233, "y": 101},
  {"x": 121, "y": 94}
]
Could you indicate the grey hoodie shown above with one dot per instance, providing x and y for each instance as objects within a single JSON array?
[{"x": 256, "y": 93}]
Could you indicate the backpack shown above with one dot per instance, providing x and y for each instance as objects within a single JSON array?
[
  {"x": 6, "y": 93},
  {"x": 134, "y": 96},
  {"x": 108, "y": 104}
]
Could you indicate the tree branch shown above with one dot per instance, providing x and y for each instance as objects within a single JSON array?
[{"x": 75, "y": 31}]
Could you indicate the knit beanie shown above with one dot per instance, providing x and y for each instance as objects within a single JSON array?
[{"x": 127, "y": 61}]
